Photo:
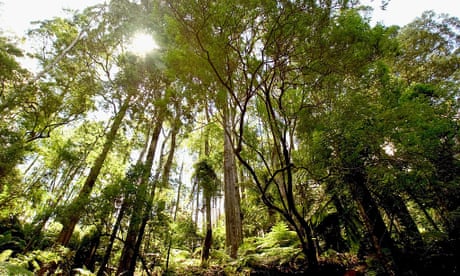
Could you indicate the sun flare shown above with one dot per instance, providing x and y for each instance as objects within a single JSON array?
[{"x": 142, "y": 43}]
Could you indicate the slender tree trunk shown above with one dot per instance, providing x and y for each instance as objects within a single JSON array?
[
  {"x": 169, "y": 161},
  {"x": 410, "y": 234},
  {"x": 165, "y": 179},
  {"x": 348, "y": 219},
  {"x": 302, "y": 227},
  {"x": 197, "y": 205},
  {"x": 113, "y": 235},
  {"x": 423, "y": 208},
  {"x": 233, "y": 226},
  {"x": 208, "y": 238},
  {"x": 207, "y": 243},
  {"x": 373, "y": 221},
  {"x": 77, "y": 206},
  {"x": 140, "y": 234},
  {"x": 121, "y": 213},
  {"x": 176, "y": 208},
  {"x": 128, "y": 256},
  {"x": 51, "y": 208},
  {"x": 90, "y": 260},
  {"x": 308, "y": 243}
]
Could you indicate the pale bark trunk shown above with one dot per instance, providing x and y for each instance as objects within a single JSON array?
[
  {"x": 197, "y": 205},
  {"x": 169, "y": 160},
  {"x": 233, "y": 226}
]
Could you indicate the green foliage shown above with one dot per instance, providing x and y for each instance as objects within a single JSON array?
[
  {"x": 220, "y": 256},
  {"x": 218, "y": 236},
  {"x": 8, "y": 54},
  {"x": 280, "y": 236},
  {"x": 322, "y": 99},
  {"x": 10, "y": 241},
  {"x": 207, "y": 179},
  {"x": 12, "y": 234},
  {"x": 13, "y": 101},
  {"x": 428, "y": 47},
  {"x": 185, "y": 234},
  {"x": 257, "y": 218},
  {"x": 12, "y": 269},
  {"x": 278, "y": 247},
  {"x": 36, "y": 262}
]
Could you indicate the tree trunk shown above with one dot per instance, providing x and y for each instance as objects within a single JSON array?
[
  {"x": 176, "y": 208},
  {"x": 197, "y": 205},
  {"x": 113, "y": 235},
  {"x": 86, "y": 256},
  {"x": 51, "y": 207},
  {"x": 165, "y": 179},
  {"x": 77, "y": 206},
  {"x": 423, "y": 208},
  {"x": 207, "y": 243},
  {"x": 410, "y": 234},
  {"x": 233, "y": 226},
  {"x": 169, "y": 161},
  {"x": 121, "y": 213},
  {"x": 129, "y": 255},
  {"x": 373, "y": 221},
  {"x": 208, "y": 238}
]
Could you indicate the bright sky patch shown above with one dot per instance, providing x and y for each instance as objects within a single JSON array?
[{"x": 142, "y": 43}]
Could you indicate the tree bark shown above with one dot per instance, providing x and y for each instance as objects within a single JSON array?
[
  {"x": 410, "y": 234},
  {"x": 129, "y": 255},
  {"x": 165, "y": 179},
  {"x": 77, "y": 206},
  {"x": 373, "y": 221},
  {"x": 113, "y": 235},
  {"x": 208, "y": 238},
  {"x": 233, "y": 226},
  {"x": 176, "y": 208}
]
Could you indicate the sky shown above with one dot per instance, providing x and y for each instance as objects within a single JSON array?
[
  {"x": 402, "y": 12},
  {"x": 16, "y": 15}
]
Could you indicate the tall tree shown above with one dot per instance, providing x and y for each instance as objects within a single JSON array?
[
  {"x": 233, "y": 215},
  {"x": 75, "y": 208},
  {"x": 206, "y": 178},
  {"x": 13, "y": 99},
  {"x": 101, "y": 46},
  {"x": 427, "y": 140},
  {"x": 156, "y": 85}
]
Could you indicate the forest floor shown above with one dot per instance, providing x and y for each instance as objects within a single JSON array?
[{"x": 268, "y": 268}]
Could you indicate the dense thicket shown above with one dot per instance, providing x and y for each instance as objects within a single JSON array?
[{"x": 261, "y": 137}]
